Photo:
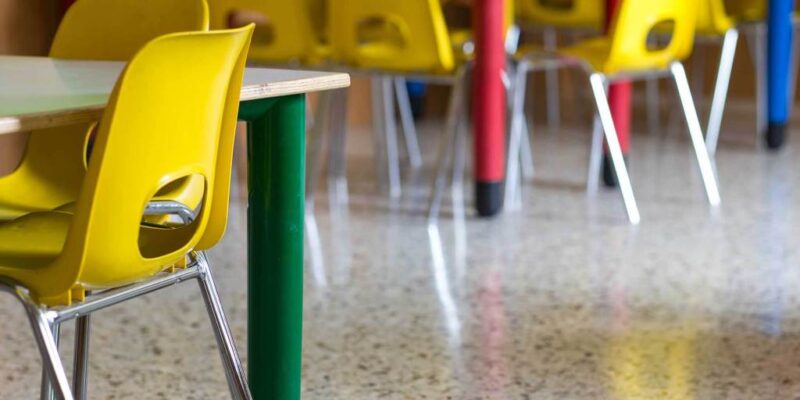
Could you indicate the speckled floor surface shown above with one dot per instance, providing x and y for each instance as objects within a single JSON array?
[{"x": 560, "y": 300}]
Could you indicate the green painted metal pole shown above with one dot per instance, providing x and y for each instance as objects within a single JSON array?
[{"x": 276, "y": 185}]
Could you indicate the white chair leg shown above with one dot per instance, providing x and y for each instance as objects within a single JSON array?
[
  {"x": 552, "y": 83},
  {"x": 454, "y": 113},
  {"x": 515, "y": 140},
  {"x": 652, "y": 93},
  {"x": 390, "y": 132},
  {"x": 407, "y": 122},
  {"x": 337, "y": 158},
  {"x": 726, "y": 57},
  {"x": 757, "y": 44},
  {"x": 316, "y": 139},
  {"x": 595, "y": 156},
  {"x": 598, "y": 82},
  {"x": 237, "y": 379},
  {"x": 696, "y": 133}
]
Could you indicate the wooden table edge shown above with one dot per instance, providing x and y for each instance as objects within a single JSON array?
[{"x": 35, "y": 121}]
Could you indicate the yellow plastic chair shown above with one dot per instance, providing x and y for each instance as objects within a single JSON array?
[
  {"x": 190, "y": 84},
  {"x": 623, "y": 54},
  {"x": 395, "y": 36},
  {"x": 53, "y": 165},
  {"x": 574, "y": 14},
  {"x": 554, "y": 16},
  {"x": 750, "y": 18},
  {"x": 391, "y": 40},
  {"x": 286, "y": 31}
]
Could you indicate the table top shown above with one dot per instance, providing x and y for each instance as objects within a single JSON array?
[{"x": 39, "y": 92}]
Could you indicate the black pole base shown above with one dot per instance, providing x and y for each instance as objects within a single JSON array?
[
  {"x": 609, "y": 175},
  {"x": 776, "y": 135},
  {"x": 488, "y": 197}
]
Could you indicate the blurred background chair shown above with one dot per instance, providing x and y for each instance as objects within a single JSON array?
[
  {"x": 555, "y": 17},
  {"x": 51, "y": 260},
  {"x": 623, "y": 54},
  {"x": 54, "y": 162}
]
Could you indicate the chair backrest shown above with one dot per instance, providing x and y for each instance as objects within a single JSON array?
[
  {"x": 179, "y": 92},
  {"x": 405, "y": 36},
  {"x": 116, "y": 29},
  {"x": 52, "y": 167},
  {"x": 634, "y": 22},
  {"x": 586, "y": 14},
  {"x": 712, "y": 19},
  {"x": 285, "y": 29},
  {"x": 747, "y": 10}
]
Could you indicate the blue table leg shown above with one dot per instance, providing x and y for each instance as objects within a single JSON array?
[{"x": 779, "y": 44}]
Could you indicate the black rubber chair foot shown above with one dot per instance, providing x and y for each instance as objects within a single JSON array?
[
  {"x": 489, "y": 197},
  {"x": 609, "y": 175},
  {"x": 776, "y": 136}
]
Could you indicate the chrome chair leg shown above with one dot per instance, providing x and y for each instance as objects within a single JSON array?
[
  {"x": 526, "y": 151},
  {"x": 757, "y": 44},
  {"x": 237, "y": 379},
  {"x": 337, "y": 157},
  {"x": 696, "y": 133},
  {"x": 316, "y": 138},
  {"x": 459, "y": 169},
  {"x": 726, "y": 57},
  {"x": 407, "y": 122},
  {"x": 44, "y": 327},
  {"x": 46, "y": 392},
  {"x": 652, "y": 93},
  {"x": 390, "y": 132},
  {"x": 598, "y": 82},
  {"x": 551, "y": 81},
  {"x": 513, "y": 160},
  {"x": 80, "y": 370},
  {"x": 378, "y": 135},
  {"x": 454, "y": 113},
  {"x": 595, "y": 156}
]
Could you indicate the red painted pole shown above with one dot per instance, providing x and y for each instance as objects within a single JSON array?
[
  {"x": 619, "y": 100},
  {"x": 489, "y": 105}
]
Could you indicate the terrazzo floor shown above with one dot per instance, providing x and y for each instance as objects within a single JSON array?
[{"x": 559, "y": 300}]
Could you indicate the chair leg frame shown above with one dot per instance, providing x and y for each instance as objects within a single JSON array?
[
  {"x": 45, "y": 322},
  {"x": 516, "y": 140},
  {"x": 455, "y": 115},
  {"x": 599, "y": 83},
  {"x": 407, "y": 122},
  {"x": 726, "y": 58},
  {"x": 696, "y": 133}
]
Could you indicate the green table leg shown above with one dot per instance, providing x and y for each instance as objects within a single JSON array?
[{"x": 276, "y": 184}]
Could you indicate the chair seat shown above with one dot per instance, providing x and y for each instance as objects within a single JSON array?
[
  {"x": 594, "y": 52},
  {"x": 32, "y": 240},
  {"x": 35, "y": 240}
]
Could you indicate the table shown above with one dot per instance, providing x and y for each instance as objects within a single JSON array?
[
  {"x": 779, "y": 44},
  {"x": 39, "y": 92}
]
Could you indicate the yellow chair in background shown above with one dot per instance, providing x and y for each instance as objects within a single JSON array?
[
  {"x": 287, "y": 32},
  {"x": 554, "y": 16},
  {"x": 54, "y": 162},
  {"x": 571, "y": 14},
  {"x": 623, "y": 54},
  {"x": 51, "y": 260},
  {"x": 392, "y": 41},
  {"x": 750, "y": 18}
]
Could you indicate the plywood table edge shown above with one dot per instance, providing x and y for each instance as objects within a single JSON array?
[
  {"x": 295, "y": 86},
  {"x": 29, "y": 122}
]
